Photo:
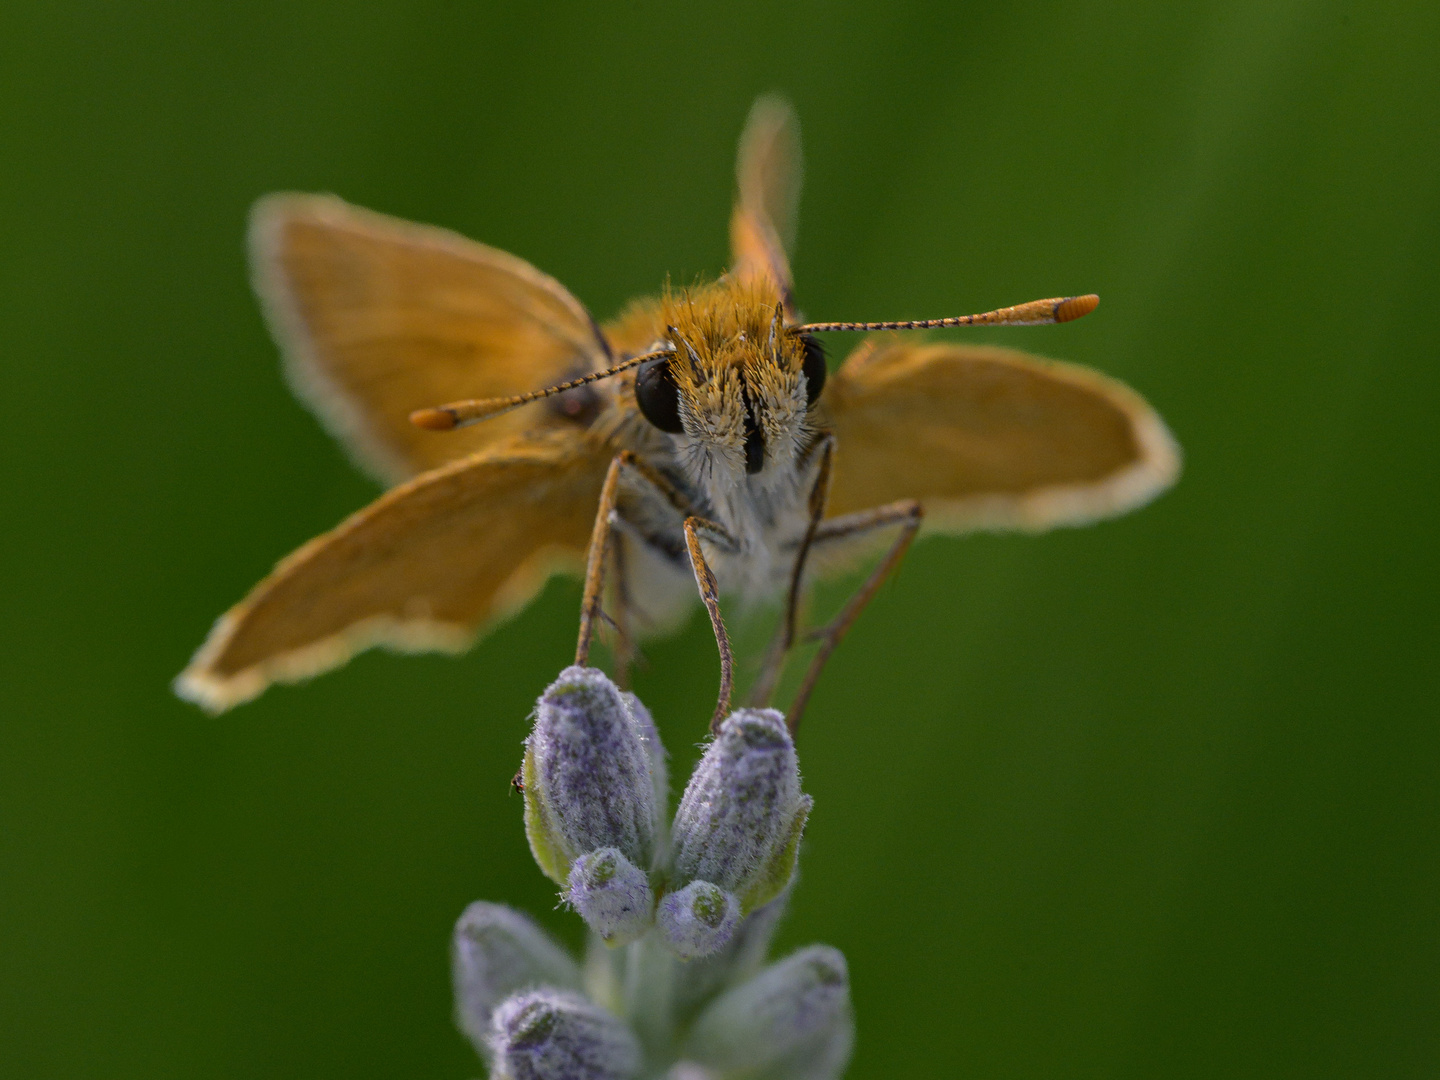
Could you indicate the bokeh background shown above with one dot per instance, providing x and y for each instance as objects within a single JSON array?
[{"x": 1157, "y": 798}]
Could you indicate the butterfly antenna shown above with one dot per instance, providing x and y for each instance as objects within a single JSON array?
[
  {"x": 1036, "y": 313},
  {"x": 462, "y": 413}
]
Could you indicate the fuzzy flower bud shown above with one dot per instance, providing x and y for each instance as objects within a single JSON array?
[
  {"x": 700, "y": 980},
  {"x": 739, "y": 822},
  {"x": 655, "y": 750},
  {"x": 698, "y": 920},
  {"x": 793, "y": 1020},
  {"x": 611, "y": 894},
  {"x": 587, "y": 775},
  {"x": 549, "y": 1035},
  {"x": 495, "y": 952}
]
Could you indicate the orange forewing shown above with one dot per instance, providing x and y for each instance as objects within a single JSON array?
[
  {"x": 767, "y": 174},
  {"x": 990, "y": 438},
  {"x": 425, "y": 567},
  {"x": 378, "y": 317}
]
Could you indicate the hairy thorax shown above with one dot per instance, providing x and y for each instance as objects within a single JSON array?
[{"x": 743, "y": 458}]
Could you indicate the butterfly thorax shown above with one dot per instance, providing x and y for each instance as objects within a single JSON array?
[{"x": 740, "y": 455}]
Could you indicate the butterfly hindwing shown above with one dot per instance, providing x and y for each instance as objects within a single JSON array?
[{"x": 425, "y": 567}]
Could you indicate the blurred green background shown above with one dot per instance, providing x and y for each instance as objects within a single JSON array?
[{"x": 1156, "y": 798}]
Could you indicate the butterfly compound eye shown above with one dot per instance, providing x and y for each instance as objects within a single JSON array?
[
  {"x": 813, "y": 367},
  {"x": 658, "y": 396}
]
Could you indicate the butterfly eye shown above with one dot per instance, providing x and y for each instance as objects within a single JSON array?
[
  {"x": 658, "y": 396},
  {"x": 813, "y": 367}
]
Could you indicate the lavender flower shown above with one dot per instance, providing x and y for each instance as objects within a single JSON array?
[
  {"x": 738, "y": 827},
  {"x": 698, "y": 981},
  {"x": 795, "y": 1013},
  {"x": 611, "y": 895},
  {"x": 678, "y": 991},
  {"x": 549, "y": 1035},
  {"x": 495, "y": 952},
  {"x": 698, "y": 920},
  {"x": 659, "y": 763},
  {"x": 590, "y": 787}
]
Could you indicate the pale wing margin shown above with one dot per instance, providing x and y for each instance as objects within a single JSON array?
[
  {"x": 426, "y": 567},
  {"x": 992, "y": 439},
  {"x": 377, "y": 317}
]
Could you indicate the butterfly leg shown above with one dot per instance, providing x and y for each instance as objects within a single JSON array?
[
  {"x": 906, "y": 514},
  {"x": 606, "y": 544},
  {"x": 785, "y": 634},
  {"x": 695, "y": 527},
  {"x": 631, "y": 467},
  {"x": 593, "y": 596}
]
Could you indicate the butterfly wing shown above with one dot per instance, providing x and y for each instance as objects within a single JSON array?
[
  {"x": 424, "y": 568},
  {"x": 767, "y": 173},
  {"x": 990, "y": 438},
  {"x": 377, "y": 317}
]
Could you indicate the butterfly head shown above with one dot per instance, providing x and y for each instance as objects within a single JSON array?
[{"x": 734, "y": 384}]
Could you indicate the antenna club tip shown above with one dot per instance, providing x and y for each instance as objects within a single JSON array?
[
  {"x": 434, "y": 419},
  {"x": 1075, "y": 307}
]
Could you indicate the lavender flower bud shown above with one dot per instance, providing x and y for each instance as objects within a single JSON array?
[
  {"x": 611, "y": 895},
  {"x": 741, "y": 957},
  {"x": 587, "y": 775},
  {"x": 495, "y": 952},
  {"x": 742, "y": 813},
  {"x": 793, "y": 1019},
  {"x": 698, "y": 920},
  {"x": 655, "y": 750},
  {"x": 548, "y": 1035}
]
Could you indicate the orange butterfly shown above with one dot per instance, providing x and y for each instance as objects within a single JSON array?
[{"x": 696, "y": 439}]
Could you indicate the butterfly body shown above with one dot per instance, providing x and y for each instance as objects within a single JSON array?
[{"x": 743, "y": 457}]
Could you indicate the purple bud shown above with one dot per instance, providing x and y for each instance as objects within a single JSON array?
[
  {"x": 793, "y": 1019},
  {"x": 741, "y": 957},
  {"x": 548, "y": 1035},
  {"x": 655, "y": 750},
  {"x": 587, "y": 775},
  {"x": 739, "y": 821},
  {"x": 495, "y": 952},
  {"x": 611, "y": 895},
  {"x": 697, "y": 920}
]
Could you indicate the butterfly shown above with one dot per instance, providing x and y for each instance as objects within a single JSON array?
[{"x": 697, "y": 444}]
